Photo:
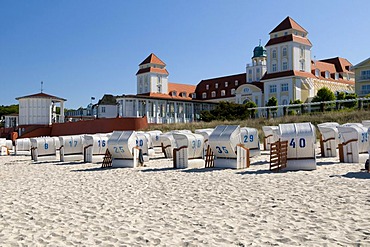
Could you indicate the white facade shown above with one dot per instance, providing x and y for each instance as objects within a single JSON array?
[
  {"x": 161, "y": 110},
  {"x": 40, "y": 109},
  {"x": 107, "y": 111},
  {"x": 152, "y": 82}
]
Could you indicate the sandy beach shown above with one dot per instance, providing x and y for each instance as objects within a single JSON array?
[{"x": 77, "y": 204}]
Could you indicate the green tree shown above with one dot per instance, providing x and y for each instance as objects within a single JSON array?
[
  {"x": 272, "y": 101},
  {"x": 350, "y": 104},
  {"x": 229, "y": 111},
  {"x": 7, "y": 110},
  {"x": 324, "y": 94}
]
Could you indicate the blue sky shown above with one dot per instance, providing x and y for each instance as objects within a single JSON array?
[{"x": 85, "y": 48}]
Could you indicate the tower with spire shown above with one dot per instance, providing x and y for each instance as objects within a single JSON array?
[{"x": 257, "y": 69}]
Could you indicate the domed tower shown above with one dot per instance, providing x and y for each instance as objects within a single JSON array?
[{"x": 257, "y": 69}]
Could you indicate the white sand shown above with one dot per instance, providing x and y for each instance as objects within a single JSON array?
[{"x": 74, "y": 204}]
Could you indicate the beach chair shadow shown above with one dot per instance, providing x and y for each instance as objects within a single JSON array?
[
  {"x": 326, "y": 163},
  {"x": 95, "y": 169},
  {"x": 363, "y": 174},
  {"x": 160, "y": 169}
]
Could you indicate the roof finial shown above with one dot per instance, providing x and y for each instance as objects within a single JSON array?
[
  {"x": 42, "y": 83},
  {"x": 259, "y": 43}
]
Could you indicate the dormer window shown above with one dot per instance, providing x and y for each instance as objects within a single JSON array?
[
  {"x": 174, "y": 93},
  {"x": 183, "y": 94},
  {"x": 193, "y": 95},
  {"x": 207, "y": 87},
  {"x": 327, "y": 74},
  {"x": 226, "y": 84},
  {"x": 317, "y": 72},
  {"x": 336, "y": 76},
  {"x": 216, "y": 85}
]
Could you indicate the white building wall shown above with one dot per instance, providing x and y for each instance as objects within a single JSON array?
[
  {"x": 34, "y": 111},
  {"x": 107, "y": 111}
]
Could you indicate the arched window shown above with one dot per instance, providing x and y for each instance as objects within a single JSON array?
[
  {"x": 204, "y": 95},
  {"x": 213, "y": 94},
  {"x": 274, "y": 67},
  {"x": 285, "y": 52},
  {"x": 233, "y": 91},
  {"x": 222, "y": 92}
]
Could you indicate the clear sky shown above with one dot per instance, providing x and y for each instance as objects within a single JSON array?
[{"x": 86, "y": 48}]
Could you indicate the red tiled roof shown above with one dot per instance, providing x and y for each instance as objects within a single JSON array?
[
  {"x": 152, "y": 59},
  {"x": 153, "y": 70},
  {"x": 302, "y": 74},
  {"x": 179, "y": 88},
  {"x": 341, "y": 64},
  {"x": 287, "y": 73},
  {"x": 288, "y": 38},
  {"x": 288, "y": 23},
  {"x": 322, "y": 66},
  {"x": 41, "y": 95}
]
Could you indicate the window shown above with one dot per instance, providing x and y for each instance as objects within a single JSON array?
[
  {"x": 284, "y": 52},
  {"x": 302, "y": 51},
  {"x": 336, "y": 76},
  {"x": 103, "y": 109},
  {"x": 246, "y": 90},
  {"x": 226, "y": 84},
  {"x": 275, "y": 36},
  {"x": 302, "y": 65},
  {"x": 258, "y": 70},
  {"x": 216, "y": 85},
  {"x": 285, "y": 102},
  {"x": 327, "y": 74},
  {"x": 213, "y": 94},
  {"x": 207, "y": 87},
  {"x": 222, "y": 92},
  {"x": 274, "y": 67},
  {"x": 365, "y": 75},
  {"x": 284, "y": 87},
  {"x": 232, "y": 91},
  {"x": 193, "y": 95},
  {"x": 236, "y": 82},
  {"x": 174, "y": 93},
  {"x": 285, "y": 33},
  {"x": 317, "y": 72},
  {"x": 285, "y": 65},
  {"x": 204, "y": 95},
  {"x": 273, "y": 53},
  {"x": 365, "y": 89},
  {"x": 272, "y": 88}
]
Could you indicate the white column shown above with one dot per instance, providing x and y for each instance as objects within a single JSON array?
[
  {"x": 146, "y": 110},
  {"x": 61, "y": 112},
  {"x": 50, "y": 113},
  {"x": 175, "y": 109},
  {"x": 137, "y": 107}
]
